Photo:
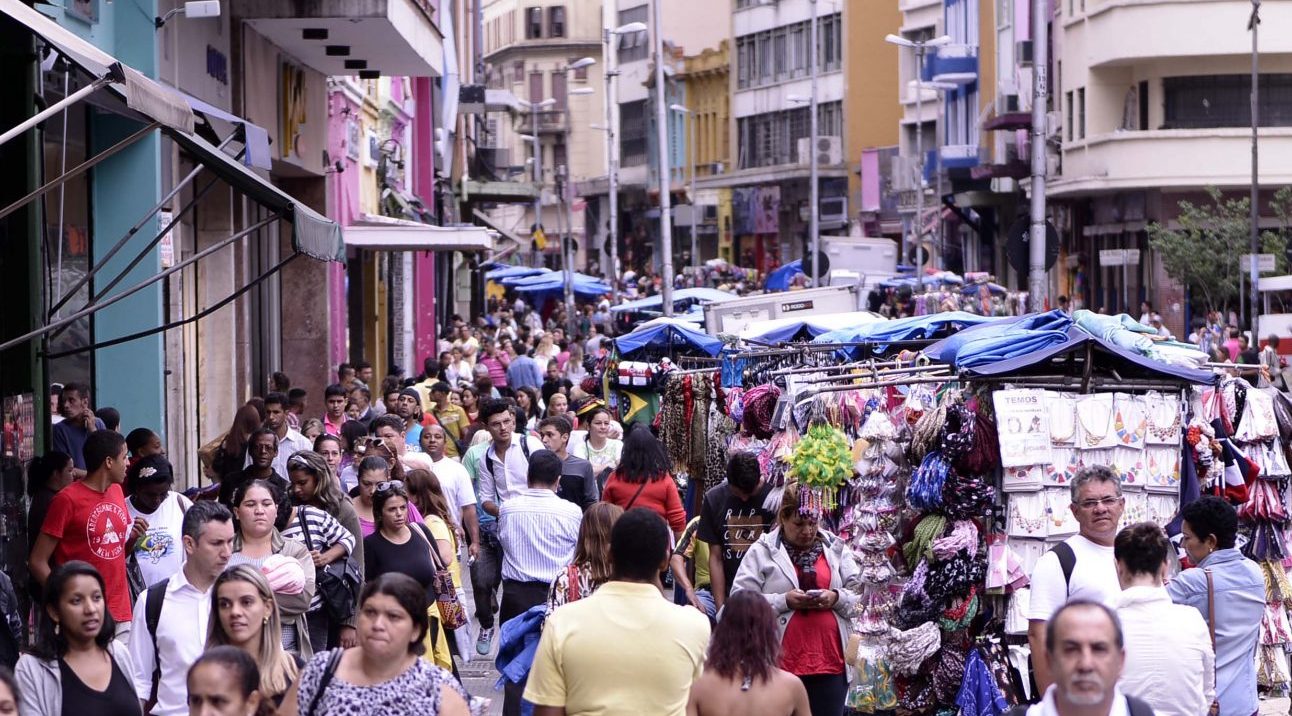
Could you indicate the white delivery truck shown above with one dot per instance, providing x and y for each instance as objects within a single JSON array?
[
  {"x": 861, "y": 261},
  {"x": 732, "y": 316}
]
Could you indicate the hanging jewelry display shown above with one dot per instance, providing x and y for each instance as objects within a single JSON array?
[
  {"x": 1095, "y": 421},
  {"x": 1162, "y": 469},
  {"x": 1061, "y": 523},
  {"x": 1129, "y": 423},
  {"x": 1027, "y": 515},
  {"x": 1128, "y": 463},
  {"x": 1063, "y": 418},
  {"x": 1064, "y": 462},
  {"x": 1164, "y": 420}
]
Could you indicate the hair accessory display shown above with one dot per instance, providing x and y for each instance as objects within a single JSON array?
[
  {"x": 907, "y": 650},
  {"x": 925, "y": 490},
  {"x": 821, "y": 464}
]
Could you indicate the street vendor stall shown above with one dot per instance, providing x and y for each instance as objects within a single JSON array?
[{"x": 941, "y": 448}]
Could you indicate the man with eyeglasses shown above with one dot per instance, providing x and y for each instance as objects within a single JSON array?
[
  {"x": 1081, "y": 567},
  {"x": 503, "y": 473}
]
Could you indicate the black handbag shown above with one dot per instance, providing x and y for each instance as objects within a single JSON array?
[{"x": 337, "y": 583}]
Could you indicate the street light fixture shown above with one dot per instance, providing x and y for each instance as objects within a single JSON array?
[
  {"x": 567, "y": 242},
  {"x": 695, "y": 151},
  {"x": 920, "y": 47}
]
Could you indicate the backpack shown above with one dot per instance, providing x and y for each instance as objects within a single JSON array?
[
  {"x": 524, "y": 448},
  {"x": 152, "y": 617},
  {"x": 1067, "y": 562}
]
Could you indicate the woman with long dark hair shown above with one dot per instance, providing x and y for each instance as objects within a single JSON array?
[
  {"x": 231, "y": 453},
  {"x": 527, "y": 401},
  {"x": 46, "y": 477},
  {"x": 75, "y": 666},
  {"x": 740, "y": 673},
  {"x": 317, "y": 505},
  {"x": 643, "y": 479},
  {"x": 812, "y": 600}
]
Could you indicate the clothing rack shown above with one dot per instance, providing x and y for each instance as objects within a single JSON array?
[
  {"x": 691, "y": 371},
  {"x": 1240, "y": 367},
  {"x": 932, "y": 369},
  {"x": 1093, "y": 384},
  {"x": 880, "y": 384},
  {"x": 865, "y": 365}
]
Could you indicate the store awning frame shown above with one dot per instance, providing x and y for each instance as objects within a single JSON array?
[
  {"x": 384, "y": 233},
  {"x": 161, "y": 108}
]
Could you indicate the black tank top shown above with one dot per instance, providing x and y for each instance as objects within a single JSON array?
[{"x": 118, "y": 699}]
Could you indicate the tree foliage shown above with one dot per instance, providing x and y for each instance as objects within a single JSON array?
[{"x": 1202, "y": 254}]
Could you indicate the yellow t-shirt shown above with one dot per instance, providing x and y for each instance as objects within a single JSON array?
[
  {"x": 579, "y": 664},
  {"x": 440, "y": 531}
]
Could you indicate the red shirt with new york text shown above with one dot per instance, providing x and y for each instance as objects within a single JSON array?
[{"x": 93, "y": 527}]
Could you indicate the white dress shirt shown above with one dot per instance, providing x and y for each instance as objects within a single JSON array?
[
  {"x": 502, "y": 479},
  {"x": 538, "y": 532},
  {"x": 181, "y": 638},
  {"x": 1047, "y": 706},
  {"x": 456, "y": 484},
  {"x": 1169, "y": 661}
]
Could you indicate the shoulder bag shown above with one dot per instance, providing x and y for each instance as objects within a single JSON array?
[
  {"x": 446, "y": 595},
  {"x": 338, "y": 583},
  {"x": 1214, "y": 710}
]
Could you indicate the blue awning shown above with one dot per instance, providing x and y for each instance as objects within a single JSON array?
[
  {"x": 903, "y": 329},
  {"x": 779, "y": 280},
  {"x": 513, "y": 272},
  {"x": 667, "y": 333},
  {"x": 554, "y": 282},
  {"x": 255, "y": 137},
  {"x": 783, "y": 330}
]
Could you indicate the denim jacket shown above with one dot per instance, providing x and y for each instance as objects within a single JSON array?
[{"x": 1239, "y": 601}]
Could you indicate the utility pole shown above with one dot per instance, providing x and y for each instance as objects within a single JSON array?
[
  {"x": 538, "y": 177},
  {"x": 814, "y": 196},
  {"x": 1037, "y": 281},
  {"x": 612, "y": 158},
  {"x": 661, "y": 131},
  {"x": 1254, "y": 239}
]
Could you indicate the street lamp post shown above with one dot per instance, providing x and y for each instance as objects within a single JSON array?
[
  {"x": 920, "y": 47},
  {"x": 695, "y": 149},
  {"x": 1253, "y": 238},
  {"x": 567, "y": 239},
  {"x": 814, "y": 191},
  {"x": 661, "y": 136},
  {"x": 533, "y": 108},
  {"x": 612, "y": 148}
]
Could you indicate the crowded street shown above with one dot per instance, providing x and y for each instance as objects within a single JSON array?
[{"x": 645, "y": 357}]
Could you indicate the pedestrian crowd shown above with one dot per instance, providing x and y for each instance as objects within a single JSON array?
[{"x": 492, "y": 506}]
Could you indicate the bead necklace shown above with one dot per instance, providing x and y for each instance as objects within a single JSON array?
[
  {"x": 1029, "y": 524},
  {"x": 1063, "y": 421},
  {"x": 1157, "y": 416},
  {"x": 1092, "y": 438}
]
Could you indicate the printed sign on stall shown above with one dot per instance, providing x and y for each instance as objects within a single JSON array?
[{"x": 1023, "y": 425}]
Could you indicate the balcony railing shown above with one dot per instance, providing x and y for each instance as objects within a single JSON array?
[{"x": 550, "y": 121}]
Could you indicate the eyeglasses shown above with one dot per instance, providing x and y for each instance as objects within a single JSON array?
[
  {"x": 387, "y": 485},
  {"x": 1105, "y": 502}
]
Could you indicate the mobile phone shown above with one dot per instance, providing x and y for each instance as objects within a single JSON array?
[{"x": 815, "y": 593}]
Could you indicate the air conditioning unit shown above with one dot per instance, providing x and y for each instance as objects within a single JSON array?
[
  {"x": 709, "y": 213},
  {"x": 1023, "y": 53},
  {"x": 829, "y": 150},
  {"x": 1007, "y": 103}
]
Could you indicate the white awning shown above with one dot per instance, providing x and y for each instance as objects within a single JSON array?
[
  {"x": 383, "y": 233},
  {"x": 141, "y": 94}
]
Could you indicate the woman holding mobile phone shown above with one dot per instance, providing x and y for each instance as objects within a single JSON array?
[{"x": 811, "y": 609}]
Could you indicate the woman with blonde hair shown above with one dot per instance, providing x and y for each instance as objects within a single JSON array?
[
  {"x": 247, "y": 618},
  {"x": 591, "y": 566}
]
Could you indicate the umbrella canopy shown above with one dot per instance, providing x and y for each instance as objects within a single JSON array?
[
  {"x": 554, "y": 282},
  {"x": 664, "y": 333},
  {"x": 779, "y": 280},
  {"x": 782, "y": 330}
]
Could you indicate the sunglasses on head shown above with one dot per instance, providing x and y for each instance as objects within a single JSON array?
[{"x": 388, "y": 485}]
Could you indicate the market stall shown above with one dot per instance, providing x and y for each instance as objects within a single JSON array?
[{"x": 941, "y": 448}]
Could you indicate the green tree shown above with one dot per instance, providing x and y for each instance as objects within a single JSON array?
[{"x": 1202, "y": 254}]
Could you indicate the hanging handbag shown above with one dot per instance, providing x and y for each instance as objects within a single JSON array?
[
  {"x": 1214, "y": 710},
  {"x": 338, "y": 583},
  {"x": 446, "y": 595}
]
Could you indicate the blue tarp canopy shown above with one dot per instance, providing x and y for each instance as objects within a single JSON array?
[
  {"x": 1030, "y": 344},
  {"x": 902, "y": 329},
  {"x": 513, "y": 272},
  {"x": 666, "y": 333},
  {"x": 779, "y": 280},
  {"x": 527, "y": 279},
  {"x": 783, "y": 330},
  {"x": 655, "y": 303},
  {"x": 554, "y": 282}
]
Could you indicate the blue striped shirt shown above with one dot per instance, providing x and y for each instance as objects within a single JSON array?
[{"x": 538, "y": 532}]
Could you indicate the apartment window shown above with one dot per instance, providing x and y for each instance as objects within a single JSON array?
[
  {"x": 533, "y": 23},
  {"x": 536, "y": 87},
  {"x": 1143, "y": 105},
  {"x": 1081, "y": 113},
  {"x": 632, "y": 133},
  {"x": 556, "y": 21},
  {"x": 559, "y": 91},
  {"x": 1208, "y": 101},
  {"x": 780, "y": 54},
  {"x": 634, "y": 46},
  {"x": 1067, "y": 125},
  {"x": 772, "y": 138},
  {"x": 560, "y": 157},
  {"x": 518, "y": 71},
  {"x": 580, "y": 74}
]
